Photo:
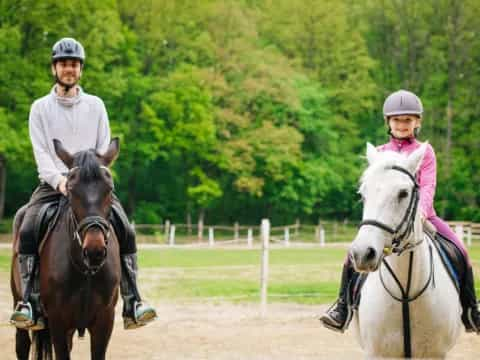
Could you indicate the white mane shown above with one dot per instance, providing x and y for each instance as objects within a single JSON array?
[{"x": 383, "y": 160}]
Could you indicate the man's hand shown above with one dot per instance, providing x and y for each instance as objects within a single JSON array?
[{"x": 62, "y": 185}]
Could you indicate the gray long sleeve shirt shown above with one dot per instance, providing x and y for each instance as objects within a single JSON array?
[{"x": 80, "y": 123}]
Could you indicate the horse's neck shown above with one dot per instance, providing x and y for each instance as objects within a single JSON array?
[{"x": 420, "y": 258}]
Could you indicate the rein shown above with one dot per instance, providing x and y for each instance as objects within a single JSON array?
[{"x": 405, "y": 299}]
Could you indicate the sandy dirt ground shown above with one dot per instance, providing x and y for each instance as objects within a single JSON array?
[{"x": 224, "y": 331}]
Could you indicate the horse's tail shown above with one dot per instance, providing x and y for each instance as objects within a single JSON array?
[{"x": 41, "y": 345}]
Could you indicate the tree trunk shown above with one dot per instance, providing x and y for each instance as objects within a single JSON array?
[
  {"x": 3, "y": 178},
  {"x": 189, "y": 221},
  {"x": 452, "y": 35},
  {"x": 131, "y": 203}
]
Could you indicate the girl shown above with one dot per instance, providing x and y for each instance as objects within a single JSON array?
[{"x": 402, "y": 112}]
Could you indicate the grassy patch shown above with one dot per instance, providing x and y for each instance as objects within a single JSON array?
[{"x": 309, "y": 276}]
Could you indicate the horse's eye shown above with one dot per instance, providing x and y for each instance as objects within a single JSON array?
[{"x": 402, "y": 194}]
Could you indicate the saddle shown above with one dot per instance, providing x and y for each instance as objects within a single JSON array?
[{"x": 46, "y": 220}]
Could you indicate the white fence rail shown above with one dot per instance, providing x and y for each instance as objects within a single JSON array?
[
  {"x": 296, "y": 234},
  {"x": 287, "y": 235}
]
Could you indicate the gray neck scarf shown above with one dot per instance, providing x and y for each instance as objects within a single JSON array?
[{"x": 68, "y": 101}]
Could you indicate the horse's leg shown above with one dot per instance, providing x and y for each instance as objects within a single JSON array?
[
  {"x": 100, "y": 334},
  {"x": 60, "y": 342},
  {"x": 70, "y": 339},
  {"x": 22, "y": 344}
]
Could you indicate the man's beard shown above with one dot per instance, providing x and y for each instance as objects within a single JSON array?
[{"x": 66, "y": 86}]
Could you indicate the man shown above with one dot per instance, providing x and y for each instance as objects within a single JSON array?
[{"x": 80, "y": 121}]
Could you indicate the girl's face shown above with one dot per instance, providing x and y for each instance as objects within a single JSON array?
[{"x": 403, "y": 126}]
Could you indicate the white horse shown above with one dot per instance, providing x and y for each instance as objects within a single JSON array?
[{"x": 409, "y": 305}]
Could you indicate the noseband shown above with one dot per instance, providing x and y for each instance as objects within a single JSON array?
[{"x": 407, "y": 222}]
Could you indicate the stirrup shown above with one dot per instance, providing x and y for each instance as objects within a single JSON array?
[
  {"x": 26, "y": 322},
  {"x": 135, "y": 322},
  {"x": 328, "y": 322}
]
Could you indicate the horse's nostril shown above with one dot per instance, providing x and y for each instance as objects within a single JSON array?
[{"x": 370, "y": 254}]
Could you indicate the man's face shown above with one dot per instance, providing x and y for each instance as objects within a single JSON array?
[{"x": 68, "y": 71}]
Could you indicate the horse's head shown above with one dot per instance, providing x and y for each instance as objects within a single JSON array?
[
  {"x": 390, "y": 197},
  {"x": 90, "y": 191}
]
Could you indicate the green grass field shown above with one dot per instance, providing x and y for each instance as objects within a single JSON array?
[{"x": 308, "y": 276}]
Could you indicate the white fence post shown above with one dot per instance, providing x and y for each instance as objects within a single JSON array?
[
  {"x": 469, "y": 236},
  {"x": 211, "y": 239},
  {"x": 167, "y": 230},
  {"x": 264, "y": 274},
  {"x": 250, "y": 238},
  {"x": 287, "y": 237},
  {"x": 171, "y": 240},
  {"x": 322, "y": 236},
  {"x": 459, "y": 232},
  {"x": 236, "y": 229},
  {"x": 200, "y": 230},
  {"x": 132, "y": 224}
]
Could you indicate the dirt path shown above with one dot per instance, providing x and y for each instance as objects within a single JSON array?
[{"x": 224, "y": 331}]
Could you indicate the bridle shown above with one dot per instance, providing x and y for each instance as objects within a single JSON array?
[
  {"x": 80, "y": 229},
  {"x": 407, "y": 223}
]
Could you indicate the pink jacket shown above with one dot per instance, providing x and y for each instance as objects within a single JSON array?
[{"x": 426, "y": 175}]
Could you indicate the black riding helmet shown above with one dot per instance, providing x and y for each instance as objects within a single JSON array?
[{"x": 68, "y": 48}]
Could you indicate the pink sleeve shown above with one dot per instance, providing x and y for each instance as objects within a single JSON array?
[{"x": 427, "y": 179}]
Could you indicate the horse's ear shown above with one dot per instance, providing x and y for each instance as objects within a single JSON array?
[
  {"x": 415, "y": 159},
  {"x": 371, "y": 153},
  {"x": 63, "y": 154},
  {"x": 112, "y": 152}
]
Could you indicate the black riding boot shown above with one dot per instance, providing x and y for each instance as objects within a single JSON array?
[
  {"x": 470, "y": 315},
  {"x": 135, "y": 312},
  {"x": 338, "y": 316},
  {"x": 27, "y": 313}
]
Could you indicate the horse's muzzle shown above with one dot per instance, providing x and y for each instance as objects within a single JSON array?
[
  {"x": 94, "y": 258},
  {"x": 365, "y": 259}
]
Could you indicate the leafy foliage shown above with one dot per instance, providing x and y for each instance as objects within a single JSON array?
[{"x": 244, "y": 109}]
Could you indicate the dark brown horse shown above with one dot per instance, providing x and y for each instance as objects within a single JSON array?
[{"x": 79, "y": 261}]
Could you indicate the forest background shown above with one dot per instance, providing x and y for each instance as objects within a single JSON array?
[{"x": 236, "y": 110}]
